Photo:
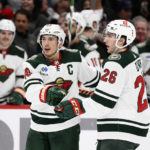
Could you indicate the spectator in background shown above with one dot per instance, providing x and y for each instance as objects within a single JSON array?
[
  {"x": 86, "y": 4},
  {"x": 143, "y": 45},
  {"x": 60, "y": 7},
  {"x": 11, "y": 65},
  {"x": 4, "y": 11},
  {"x": 37, "y": 19},
  {"x": 14, "y": 4},
  {"x": 141, "y": 26},
  {"x": 23, "y": 37},
  {"x": 124, "y": 9}
]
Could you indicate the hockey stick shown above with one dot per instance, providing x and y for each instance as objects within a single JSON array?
[{"x": 70, "y": 22}]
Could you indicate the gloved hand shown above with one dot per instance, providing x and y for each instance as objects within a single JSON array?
[
  {"x": 69, "y": 109},
  {"x": 52, "y": 95},
  {"x": 15, "y": 99},
  {"x": 85, "y": 93}
]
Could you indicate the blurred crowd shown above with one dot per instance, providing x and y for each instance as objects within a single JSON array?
[{"x": 88, "y": 20}]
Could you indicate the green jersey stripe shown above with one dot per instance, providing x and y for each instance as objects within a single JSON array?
[
  {"x": 122, "y": 128},
  {"x": 42, "y": 113},
  {"x": 109, "y": 95},
  {"x": 104, "y": 101},
  {"x": 35, "y": 79},
  {"x": 122, "y": 120},
  {"x": 26, "y": 87},
  {"x": 46, "y": 121},
  {"x": 21, "y": 76},
  {"x": 93, "y": 80}
]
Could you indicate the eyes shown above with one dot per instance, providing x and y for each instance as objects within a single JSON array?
[
  {"x": 48, "y": 38},
  {"x": 8, "y": 33}
]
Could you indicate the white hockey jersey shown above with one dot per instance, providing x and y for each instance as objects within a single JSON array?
[
  {"x": 11, "y": 70},
  {"x": 88, "y": 50},
  {"x": 123, "y": 110},
  {"x": 64, "y": 72}
]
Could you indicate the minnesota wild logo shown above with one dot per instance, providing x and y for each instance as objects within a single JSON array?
[
  {"x": 5, "y": 73},
  {"x": 60, "y": 82}
]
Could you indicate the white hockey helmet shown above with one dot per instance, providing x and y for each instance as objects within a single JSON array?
[
  {"x": 6, "y": 24},
  {"x": 52, "y": 29},
  {"x": 122, "y": 28},
  {"x": 77, "y": 17},
  {"x": 91, "y": 17}
]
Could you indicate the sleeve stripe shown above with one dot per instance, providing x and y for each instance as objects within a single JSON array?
[
  {"x": 103, "y": 101},
  {"x": 122, "y": 128},
  {"x": 108, "y": 95},
  {"x": 122, "y": 120},
  {"x": 93, "y": 82},
  {"x": 26, "y": 87},
  {"x": 32, "y": 80},
  {"x": 21, "y": 76}
]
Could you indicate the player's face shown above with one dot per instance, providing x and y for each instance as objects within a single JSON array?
[
  {"x": 49, "y": 45},
  {"x": 66, "y": 27},
  {"x": 110, "y": 40},
  {"x": 6, "y": 38}
]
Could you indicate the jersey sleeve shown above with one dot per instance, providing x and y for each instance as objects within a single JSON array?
[
  {"x": 33, "y": 83},
  {"x": 109, "y": 88},
  {"x": 89, "y": 76},
  {"x": 20, "y": 72}
]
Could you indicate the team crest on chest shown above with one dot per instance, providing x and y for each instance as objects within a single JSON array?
[
  {"x": 5, "y": 73},
  {"x": 60, "y": 82}
]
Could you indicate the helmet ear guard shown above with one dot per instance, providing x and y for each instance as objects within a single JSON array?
[
  {"x": 77, "y": 17},
  {"x": 122, "y": 28}
]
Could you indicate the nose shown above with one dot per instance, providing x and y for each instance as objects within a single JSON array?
[{"x": 105, "y": 39}]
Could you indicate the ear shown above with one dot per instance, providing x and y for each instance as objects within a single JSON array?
[
  {"x": 60, "y": 45},
  {"x": 79, "y": 30},
  {"x": 121, "y": 41}
]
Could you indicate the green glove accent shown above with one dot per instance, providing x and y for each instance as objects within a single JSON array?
[
  {"x": 69, "y": 109},
  {"x": 15, "y": 99},
  {"x": 54, "y": 95}
]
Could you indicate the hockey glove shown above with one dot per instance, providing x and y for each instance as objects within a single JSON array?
[
  {"x": 85, "y": 93},
  {"x": 69, "y": 109},
  {"x": 17, "y": 97},
  {"x": 52, "y": 95}
]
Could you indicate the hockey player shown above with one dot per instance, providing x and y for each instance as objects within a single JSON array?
[
  {"x": 86, "y": 43},
  {"x": 52, "y": 77},
  {"x": 123, "y": 110},
  {"x": 78, "y": 25},
  {"x": 11, "y": 69}
]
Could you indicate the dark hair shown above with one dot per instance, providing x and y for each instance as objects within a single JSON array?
[
  {"x": 4, "y": 2},
  {"x": 24, "y": 12}
]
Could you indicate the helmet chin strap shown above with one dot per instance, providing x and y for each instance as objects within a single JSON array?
[{"x": 119, "y": 47}]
